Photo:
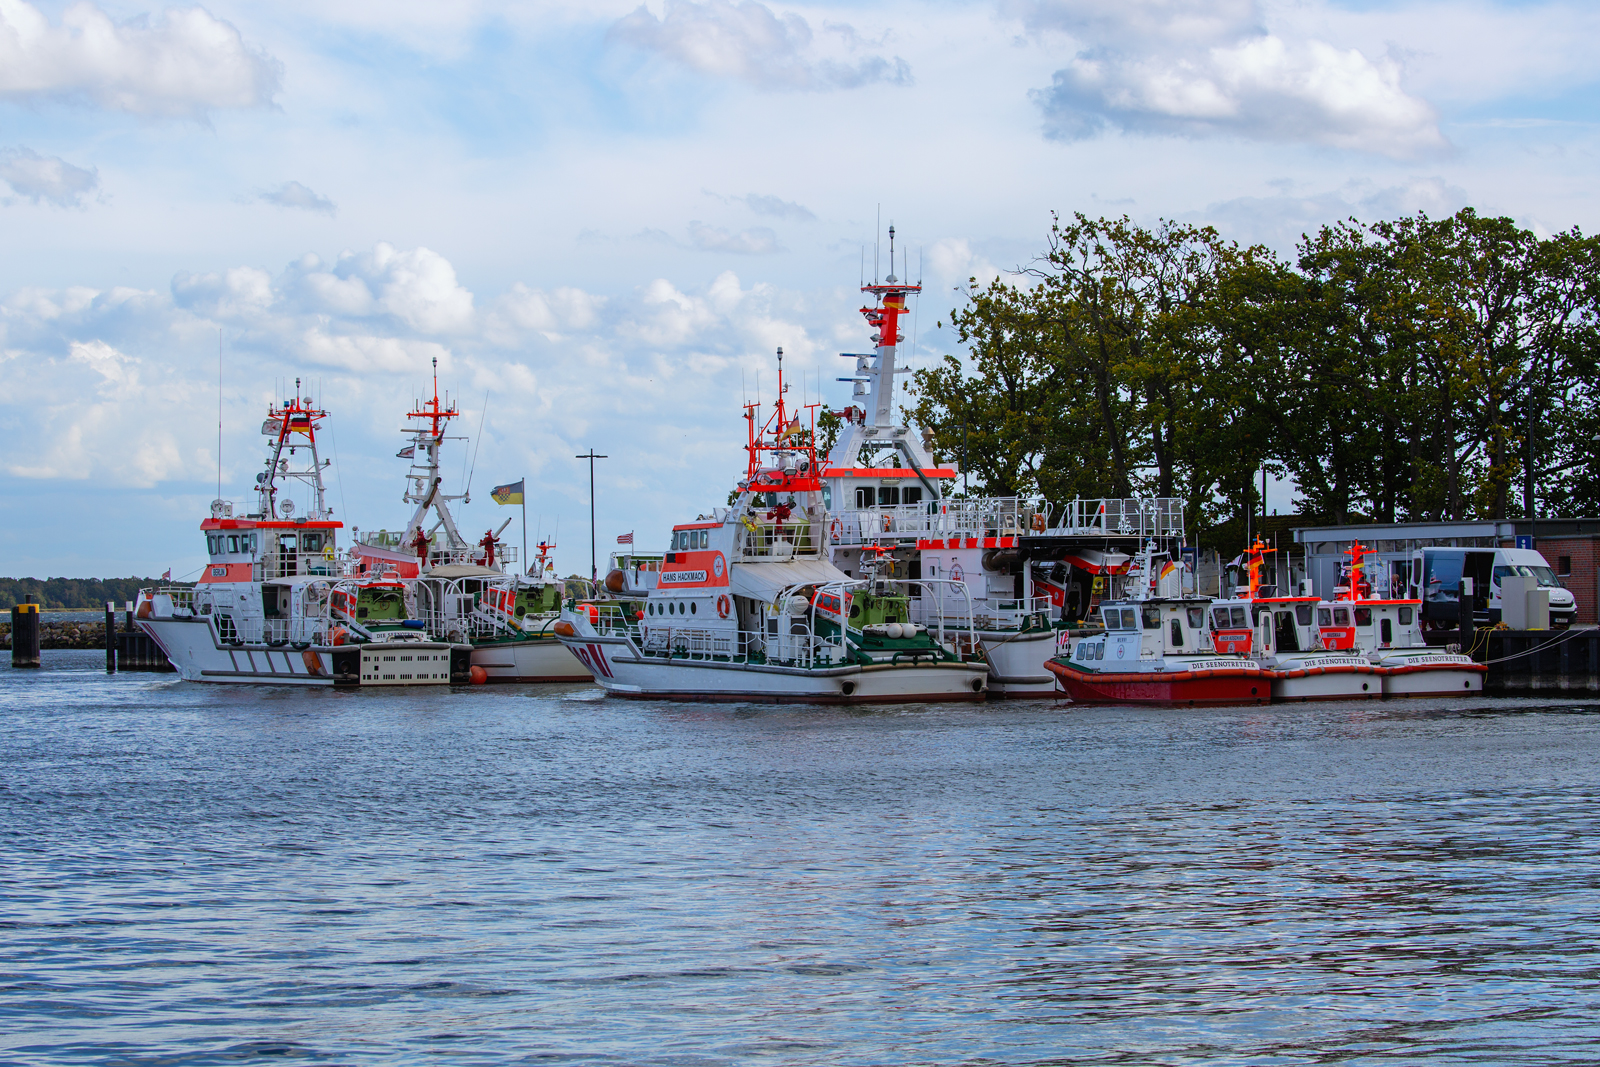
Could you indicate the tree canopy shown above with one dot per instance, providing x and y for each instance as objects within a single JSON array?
[{"x": 1414, "y": 369}]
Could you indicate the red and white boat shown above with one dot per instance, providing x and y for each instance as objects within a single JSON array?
[
  {"x": 1155, "y": 649},
  {"x": 1281, "y": 633},
  {"x": 1388, "y": 634},
  {"x": 747, "y": 607},
  {"x": 278, "y": 604}
]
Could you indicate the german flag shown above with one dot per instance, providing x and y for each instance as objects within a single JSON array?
[{"x": 507, "y": 494}]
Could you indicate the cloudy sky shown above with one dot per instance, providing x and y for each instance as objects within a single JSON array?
[{"x": 601, "y": 219}]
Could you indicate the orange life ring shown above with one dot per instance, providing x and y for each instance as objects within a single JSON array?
[
  {"x": 836, "y": 531},
  {"x": 888, "y": 524},
  {"x": 1038, "y": 523},
  {"x": 724, "y": 606}
]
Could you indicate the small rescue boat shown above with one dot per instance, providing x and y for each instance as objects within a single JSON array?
[
  {"x": 1156, "y": 649},
  {"x": 1388, "y": 634},
  {"x": 1281, "y": 633}
]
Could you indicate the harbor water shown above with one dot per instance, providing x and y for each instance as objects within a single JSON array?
[{"x": 203, "y": 875}]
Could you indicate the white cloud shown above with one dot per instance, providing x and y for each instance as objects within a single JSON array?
[
  {"x": 779, "y": 209},
  {"x": 293, "y": 194},
  {"x": 48, "y": 178},
  {"x": 758, "y": 240},
  {"x": 1191, "y": 68},
  {"x": 750, "y": 42},
  {"x": 184, "y": 63}
]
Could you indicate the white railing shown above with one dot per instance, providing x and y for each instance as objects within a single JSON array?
[{"x": 984, "y": 517}]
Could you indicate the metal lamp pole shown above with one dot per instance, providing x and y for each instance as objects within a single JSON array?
[{"x": 594, "y": 566}]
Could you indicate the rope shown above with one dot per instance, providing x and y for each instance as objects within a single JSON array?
[{"x": 1569, "y": 635}]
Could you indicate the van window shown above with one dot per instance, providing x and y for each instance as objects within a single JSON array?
[{"x": 1442, "y": 576}]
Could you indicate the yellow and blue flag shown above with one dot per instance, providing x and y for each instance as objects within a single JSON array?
[{"x": 508, "y": 494}]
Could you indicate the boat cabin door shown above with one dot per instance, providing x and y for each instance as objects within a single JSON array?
[{"x": 1264, "y": 631}]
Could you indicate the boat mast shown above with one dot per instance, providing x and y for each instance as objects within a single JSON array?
[
  {"x": 425, "y": 486},
  {"x": 292, "y": 426}
]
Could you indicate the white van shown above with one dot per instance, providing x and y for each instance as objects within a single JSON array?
[{"x": 1436, "y": 575}]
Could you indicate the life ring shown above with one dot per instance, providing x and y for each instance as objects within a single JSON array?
[
  {"x": 836, "y": 531},
  {"x": 724, "y": 606},
  {"x": 888, "y": 524},
  {"x": 1038, "y": 523},
  {"x": 327, "y": 552}
]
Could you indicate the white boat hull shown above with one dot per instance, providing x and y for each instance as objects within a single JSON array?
[
  {"x": 541, "y": 660},
  {"x": 1430, "y": 674},
  {"x": 1324, "y": 677},
  {"x": 620, "y": 672},
  {"x": 191, "y": 646},
  {"x": 1017, "y": 663}
]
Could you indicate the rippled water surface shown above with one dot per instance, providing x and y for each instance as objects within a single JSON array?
[{"x": 198, "y": 875}]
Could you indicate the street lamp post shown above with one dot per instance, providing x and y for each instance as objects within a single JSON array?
[{"x": 594, "y": 567}]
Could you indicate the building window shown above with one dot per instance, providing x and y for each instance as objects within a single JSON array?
[{"x": 1564, "y": 566}]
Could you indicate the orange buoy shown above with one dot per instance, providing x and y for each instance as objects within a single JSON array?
[{"x": 479, "y": 675}]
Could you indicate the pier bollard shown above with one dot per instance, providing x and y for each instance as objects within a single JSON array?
[
  {"x": 1466, "y": 637},
  {"x": 111, "y": 637},
  {"x": 25, "y": 633}
]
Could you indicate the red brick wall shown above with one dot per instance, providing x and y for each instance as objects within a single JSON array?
[{"x": 1585, "y": 553}]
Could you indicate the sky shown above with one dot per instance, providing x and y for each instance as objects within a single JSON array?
[{"x": 602, "y": 219}]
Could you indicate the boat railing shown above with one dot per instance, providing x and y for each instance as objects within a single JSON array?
[
  {"x": 994, "y": 614},
  {"x": 1010, "y": 516},
  {"x": 1158, "y": 517},
  {"x": 769, "y": 541}
]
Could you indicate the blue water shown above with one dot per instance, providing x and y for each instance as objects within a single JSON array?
[{"x": 200, "y": 875}]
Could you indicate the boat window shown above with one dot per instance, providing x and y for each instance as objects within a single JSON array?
[
  {"x": 1302, "y": 614},
  {"x": 1341, "y": 616},
  {"x": 211, "y": 545},
  {"x": 1324, "y": 617},
  {"x": 1219, "y": 618},
  {"x": 1152, "y": 617},
  {"x": 864, "y": 497},
  {"x": 888, "y": 496},
  {"x": 912, "y": 494},
  {"x": 311, "y": 542},
  {"x": 233, "y": 542},
  {"x": 1405, "y": 616},
  {"x": 1177, "y": 633},
  {"x": 693, "y": 608},
  {"x": 1239, "y": 621},
  {"x": 1113, "y": 618},
  {"x": 1100, "y": 650},
  {"x": 1387, "y": 632},
  {"x": 1363, "y": 616},
  {"x": 1197, "y": 618}
]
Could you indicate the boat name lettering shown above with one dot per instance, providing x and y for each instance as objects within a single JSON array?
[{"x": 681, "y": 577}]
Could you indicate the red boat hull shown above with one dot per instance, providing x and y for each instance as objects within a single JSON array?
[{"x": 1218, "y": 687}]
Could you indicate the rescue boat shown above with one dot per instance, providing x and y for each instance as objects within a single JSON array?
[
  {"x": 1282, "y": 635},
  {"x": 746, "y": 606},
  {"x": 1155, "y": 648},
  {"x": 1388, "y": 634},
  {"x": 278, "y": 604}
]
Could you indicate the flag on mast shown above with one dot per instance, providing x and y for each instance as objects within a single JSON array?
[
  {"x": 625, "y": 539},
  {"x": 508, "y": 494}
]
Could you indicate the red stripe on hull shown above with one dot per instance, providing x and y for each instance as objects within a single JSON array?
[{"x": 1215, "y": 688}]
